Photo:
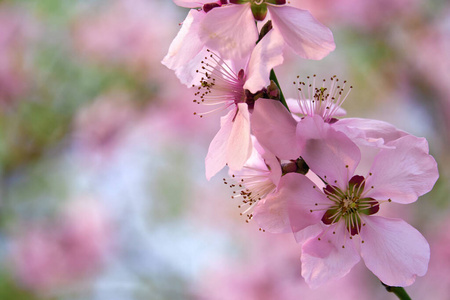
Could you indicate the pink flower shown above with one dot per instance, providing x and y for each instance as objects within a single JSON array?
[
  {"x": 257, "y": 179},
  {"x": 230, "y": 30},
  {"x": 276, "y": 128},
  {"x": 228, "y": 88},
  {"x": 346, "y": 208}
]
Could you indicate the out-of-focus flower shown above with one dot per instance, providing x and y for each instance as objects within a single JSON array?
[
  {"x": 230, "y": 30},
  {"x": 346, "y": 206},
  {"x": 127, "y": 32},
  {"x": 360, "y": 14},
  {"x": 50, "y": 256},
  {"x": 16, "y": 34},
  {"x": 99, "y": 126}
]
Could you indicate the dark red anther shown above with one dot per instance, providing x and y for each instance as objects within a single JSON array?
[
  {"x": 208, "y": 6},
  {"x": 330, "y": 216}
]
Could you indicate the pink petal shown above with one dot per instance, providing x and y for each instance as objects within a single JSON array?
[
  {"x": 302, "y": 32},
  {"x": 404, "y": 173},
  {"x": 267, "y": 160},
  {"x": 288, "y": 209},
  {"x": 191, "y": 3},
  {"x": 302, "y": 195},
  {"x": 369, "y": 132},
  {"x": 271, "y": 214},
  {"x": 184, "y": 53},
  {"x": 275, "y": 128},
  {"x": 217, "y": 153},
  {"x": 329, "y": 153},
  {"x": 394, "y": 250},
  {"x": 267, "y": 54},
  {"x": 325, "y": 259},
  {"x": 230, "y": 30},
  {"x": 239, "y": 147}
]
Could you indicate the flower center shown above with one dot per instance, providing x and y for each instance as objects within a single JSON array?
[
  {"x": 259, "y": 7},
  {"x": 348, "y": 205},
  {"x": 316, "y": 99},
  {"x": 220, "y": 86}
]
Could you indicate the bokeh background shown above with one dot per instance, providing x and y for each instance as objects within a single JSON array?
[{"x": 102, "y": 187}]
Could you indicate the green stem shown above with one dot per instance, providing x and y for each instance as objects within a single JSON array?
[
  {"x": 398, "y": 291},
  {"x": 273, "y": 77}
]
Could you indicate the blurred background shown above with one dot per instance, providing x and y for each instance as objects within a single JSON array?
[{"x": 102, "y": 186}]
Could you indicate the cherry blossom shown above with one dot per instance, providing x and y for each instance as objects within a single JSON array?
[
  {"x": 273, "y": 125},
  {"x": 346, "y": 207},
  {"x": 229, "y": 30},
  {"x": 258, "y": 178},
  {"x": 224, "y": 86}
]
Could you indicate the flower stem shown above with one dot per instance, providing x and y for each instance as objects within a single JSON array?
[
  {"x": 273, "y": 77},
  {"x": 398, "y": 291}
]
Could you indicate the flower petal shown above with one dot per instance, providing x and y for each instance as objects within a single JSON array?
[
  {"x": 274, "y": 128},
  {"x": 217, "y": 153},
  {"x": 302, "y": 32},
  {"x": 404, "y": 173},
  {"x": 191, "y": 3},
  {"x": 186, "y": 50},
  {"x": 332, "y": 257},
  {"x": 230, "y": 30},
  {"x": 239, "y": 147},
  {"x": 267, "y": 54},
  {"x": 329, "y": 153},
  {"x": 288, "y": 209},
  {"x": 369, "y": 132},
  {"x": 394, "y": 250}
]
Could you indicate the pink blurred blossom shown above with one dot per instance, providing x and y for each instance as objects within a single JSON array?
[
  {"x": 361, "y": 14},
  {"x": 49, "y": 256},
  {"x": 126, "y": 33},
  {"x": 99, "y": 126},
  {"x": 16, "y": 34}
]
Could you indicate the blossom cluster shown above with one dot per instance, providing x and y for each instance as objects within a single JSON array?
[{"x": 298, "y": 166}]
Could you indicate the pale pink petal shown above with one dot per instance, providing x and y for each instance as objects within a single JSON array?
[
  {"x": 230, "y": 30},
  {"x": 263, "y": 159},
  {"x": 303, "y": 197},
  {"x": 271, "y": 214},
  {"x": 394, "y": 250},
  {"x": 184, "y": 53},
  {"x": 330, "y": 258},
  {"x": 288, "y": 209},
  {"x": 217, "y": 153},
  {"x": 239, "y": 146},
  {"x": 192, "y": 3},
  {"x": 274, "y": 128},
  {"x": 267, "y": 54},
  {"x": 369, "y": 132},
  {"x": 302, "y": 32},
  {"x": 404, "y": 173},
  {"x": 329, "y": 153},
  {"x": 309, "y": 232}
]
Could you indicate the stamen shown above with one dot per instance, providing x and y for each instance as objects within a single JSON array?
[
  {"x": 220, "y": 85},
  {"x": 321, "y": 101}
]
